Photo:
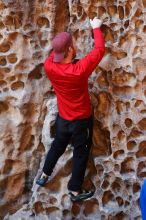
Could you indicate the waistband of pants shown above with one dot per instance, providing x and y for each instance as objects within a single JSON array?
[{"x": 76, "y": 119}]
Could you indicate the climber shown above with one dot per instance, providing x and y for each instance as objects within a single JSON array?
[
  {"x": 74, "y": 120},
  {"x": 143, "y": 200}
]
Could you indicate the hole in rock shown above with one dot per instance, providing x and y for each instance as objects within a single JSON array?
[
  {"x": 126, "y": 24},
  {"x": 79, "y": 10},
  {"x": 128, "y": 122},
  {"x": 120, "y": 216},
  {"x": 38, "y": 207},
  {"x": 144, "y": 29},
  {"x": 116, "y": 185},
  {"x": 4, "y": 47},
  {"x": 12, "y": 58},
  {"x": 108, "y": 33},
  {"x": 128, "y": 8},
  {"x": 105, "y": 184},
  {"x": 119, "y": 201},
  {"x": 119, "y": 154},
  {"x": 121, "y": 135},
  {"x": 2, "y": 83},
  {"x": 144, "y": 3},
  {"x": 128, "y": 165},
  {"x": 17, "y": 85},
  {"x": 138, "y": 24},
  {"x": 107, "y": 197},
  {"x": 135, "y": 133},
  {"x": 91, "y": 206},
  {"x": 112, "y": 10},
  {"x": 101, "y": 141},
  {"x": 141, "y": 170},
  {"x": 100, "y": 169},
  {"x": 3, "y": 61},
  {"x": 101, "y": 11},
  {"x": 121, "y": 12},
  {"x": 9, "y": 21},
  {"x": 136, "y": 187},
  {"x": 131, "y": 145},
  {"x": 3, "y": 106},
  {"x": 36, "y": 73},
  {"x": 42, "y": 21},
  {"x": 138, "y": 103},
  {"x": 1, "y": 25},
  {"x": 141, "y": 150}
]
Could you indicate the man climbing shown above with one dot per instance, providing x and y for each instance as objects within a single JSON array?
[{"x": 74, "y": 121}]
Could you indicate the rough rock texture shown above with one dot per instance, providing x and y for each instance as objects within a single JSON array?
[{"x": 28, "y": 109}]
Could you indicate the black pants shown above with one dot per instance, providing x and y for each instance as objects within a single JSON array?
[{"x": 80, "y": 133}]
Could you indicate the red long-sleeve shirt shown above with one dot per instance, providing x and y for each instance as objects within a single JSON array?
[{"x": 70, "y": 81}]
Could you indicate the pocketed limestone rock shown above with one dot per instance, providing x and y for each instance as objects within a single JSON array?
[{"x": 28, "y": 109}]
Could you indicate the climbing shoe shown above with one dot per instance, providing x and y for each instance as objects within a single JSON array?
[
  {"x": 42, "y": 180},
  {"x": 82, "y": 195}
]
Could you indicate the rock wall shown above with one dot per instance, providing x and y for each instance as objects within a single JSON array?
[{"x": 28, "y": 109}]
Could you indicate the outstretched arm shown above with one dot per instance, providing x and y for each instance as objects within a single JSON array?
[{"x": 89, "y": 62}]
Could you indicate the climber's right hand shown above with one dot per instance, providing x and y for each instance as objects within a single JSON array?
[{"x": 96, "y": 23}]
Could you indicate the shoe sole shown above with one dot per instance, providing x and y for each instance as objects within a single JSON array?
[
  {"x": 42, "y": 185},
  {"x": 82, "y": 198}
]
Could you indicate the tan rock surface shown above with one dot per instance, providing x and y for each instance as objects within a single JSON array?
[{"x": 28, "y": 109}]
